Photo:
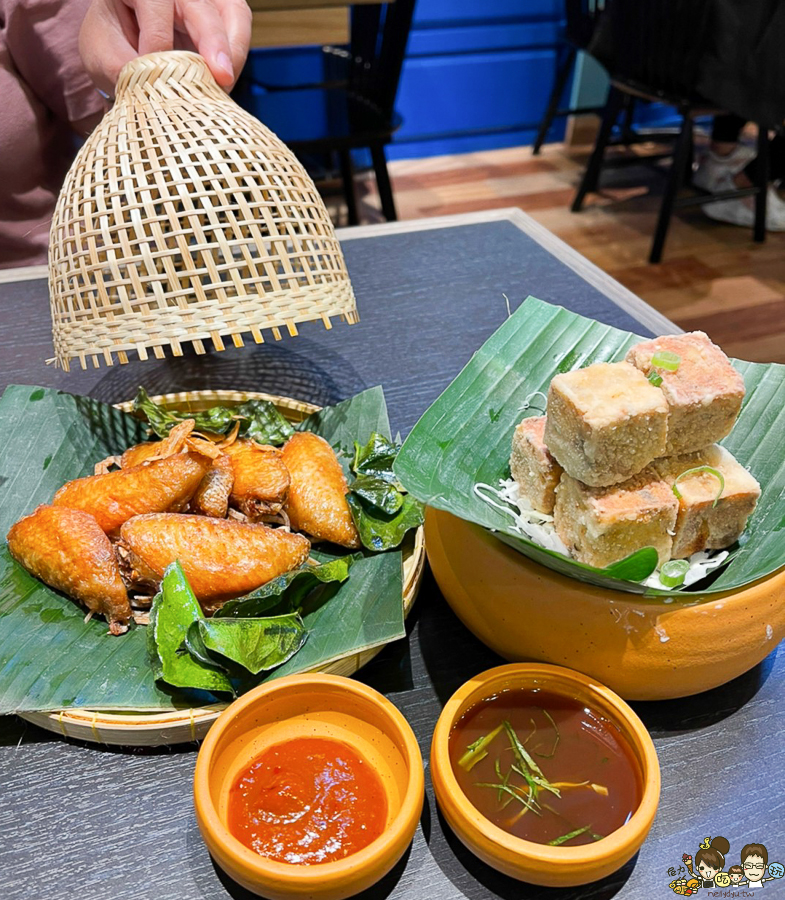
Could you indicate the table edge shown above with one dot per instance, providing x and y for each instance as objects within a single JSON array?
[{"x": 588, "y": 271}]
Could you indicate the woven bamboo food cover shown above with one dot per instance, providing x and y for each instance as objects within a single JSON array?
[{"x": 184, "y": 219}]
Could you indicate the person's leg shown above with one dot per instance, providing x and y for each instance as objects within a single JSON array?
[
  {"x": 725, "y": 158},
  {"x": 737, "y": 167}
]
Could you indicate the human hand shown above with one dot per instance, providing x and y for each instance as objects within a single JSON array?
[{"x": 116, "y": 31}]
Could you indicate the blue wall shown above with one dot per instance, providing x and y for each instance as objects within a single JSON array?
[{"x": 477, "y": 74}]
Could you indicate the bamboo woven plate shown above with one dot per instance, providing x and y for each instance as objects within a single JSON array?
[{"x": 145, "y": 728}]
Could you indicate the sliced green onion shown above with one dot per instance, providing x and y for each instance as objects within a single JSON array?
[
  {"x": 673, "y": 572},
  {"x": 665, "y": 359},
  {"x": 655, "y": 379},
  {"x": 698, "y": 470}
]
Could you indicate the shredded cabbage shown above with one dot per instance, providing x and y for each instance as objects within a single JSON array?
[{"x": 538, "y": 527}]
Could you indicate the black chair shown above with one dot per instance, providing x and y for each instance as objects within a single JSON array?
[
  {"x": 653, "y": 52},
  {"x": 352, "y": 108},
  {"x": 581, "y": 17}
]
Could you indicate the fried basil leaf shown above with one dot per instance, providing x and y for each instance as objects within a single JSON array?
[
  {"x": 287, "y": 592},
  {"x": 380, "y": 531},
  {"x": 260, "y": 420},
  {"x": 174, "y": 610},
  {"x": 257, "y": 645},
  {"x": 376, "y": 458},
  {"x": 379, "y": 493}
]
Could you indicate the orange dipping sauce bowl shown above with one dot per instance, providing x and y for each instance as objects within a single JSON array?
[
  {"x": 310, "y": 706},
  {"x": 535, "y": 863}
]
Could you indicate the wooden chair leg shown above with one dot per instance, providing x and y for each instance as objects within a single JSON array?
[
  {"x": 591, "y": 176},
  {"x": 349, "y": 187},
  {"x": 383, "y": 182},
  {"x": 562, "y": 75},
  {"x": 762, "y": 164},
  {"x": 675, "y": 178}
]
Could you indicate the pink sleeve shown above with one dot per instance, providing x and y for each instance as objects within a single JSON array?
[{"x": 43, "y": 39}]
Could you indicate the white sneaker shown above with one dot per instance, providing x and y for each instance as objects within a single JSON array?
[
  {"x": 742, "y": 211},
  {"x": 713, "y": 168}
]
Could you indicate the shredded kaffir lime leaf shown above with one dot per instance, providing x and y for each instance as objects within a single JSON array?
[{"x": 699, "y": 470}]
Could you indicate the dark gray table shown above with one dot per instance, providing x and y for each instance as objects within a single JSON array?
[{"x": 82, "y": 821}]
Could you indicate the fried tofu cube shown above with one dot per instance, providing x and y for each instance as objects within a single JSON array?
[
  {"x": 532, "y": 466},
  {"x": 601, "y": 525},
  {"x": 700, "y": 524},
  {"x": 605, "y": 423},
  {"x": 704, "y": 394}
]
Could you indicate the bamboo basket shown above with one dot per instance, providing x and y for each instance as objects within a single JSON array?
[
  {"x": 146, "y": 728},
  {"x": 184, "y": 219}
]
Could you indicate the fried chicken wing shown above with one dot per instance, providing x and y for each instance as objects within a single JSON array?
[
  {"x": 160, "y": 486},
  {"x": 317, "y": 494},
  {"x": 212, "y": 495},
  {"x": 67, "y": 550},
  {"x": 221, "y": 558},
  {"x": 261, "y": 480}
]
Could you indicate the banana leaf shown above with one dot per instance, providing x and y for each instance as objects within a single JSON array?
[
  {"x": 466, "y": 435},
  {"x": 50, "y": 658}
]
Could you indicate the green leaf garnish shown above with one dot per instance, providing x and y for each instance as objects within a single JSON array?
[
  {"x": 287, "y": 592},
  {"x": 381, "y": 509},
  {"x": 257, "y": 645},
  {"x": 672, "y": 573},
  {"x": 635, "y": 567},
  {"x": 379, "y": 531},
  {"x": 379, "y": 493},
  {"x": 699, "y": 470},
  {"x": 172, "y": 613},
  {"x": 654, "y": 378},
  {"x": 666, "y": 359},
  {"x": 260, "y": 420},
  {"x": 376, "y": 458}
]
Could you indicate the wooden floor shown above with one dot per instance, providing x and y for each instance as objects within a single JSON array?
[{"x": 713, "y": 276}]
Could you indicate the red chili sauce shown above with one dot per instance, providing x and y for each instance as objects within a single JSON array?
[
  {"x": 308, "y": 801},
  {"x": 545, "y": 768}
]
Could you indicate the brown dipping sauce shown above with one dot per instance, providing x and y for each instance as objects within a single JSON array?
[
  {"x": 579, "y": 752},
  {"x": 308, "y": 801}
]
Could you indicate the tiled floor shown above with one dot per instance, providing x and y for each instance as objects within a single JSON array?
[{"x": 713, "y": 276}]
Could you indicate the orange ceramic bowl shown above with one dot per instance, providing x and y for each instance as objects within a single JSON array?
[
  {"x": 310, "y": 705},
  {"x": 642, "y": 648},
  {"x": 526, "y": 860}
]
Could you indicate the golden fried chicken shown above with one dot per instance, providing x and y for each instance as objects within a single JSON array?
[
  {"x": 221, "y": 558},
  {"x": 67, "y": 550},
  {"x": 161, "y": 486},
  {"x": 261, "y": 480},
  {"x": 212, "y": 495},
  {"x": 317, "y": 494}
]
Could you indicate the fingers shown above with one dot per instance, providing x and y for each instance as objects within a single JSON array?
[
  {"x": 116, "y": 31},
  {"x": 221, "y": 32},
  {"x": 237, "y": 18},
  {"x": 108, "y": 39},
  {"x": 156, "y": 25}
]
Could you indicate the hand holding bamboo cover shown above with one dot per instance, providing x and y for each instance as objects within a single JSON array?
[{"x": 184, "y": 219}]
